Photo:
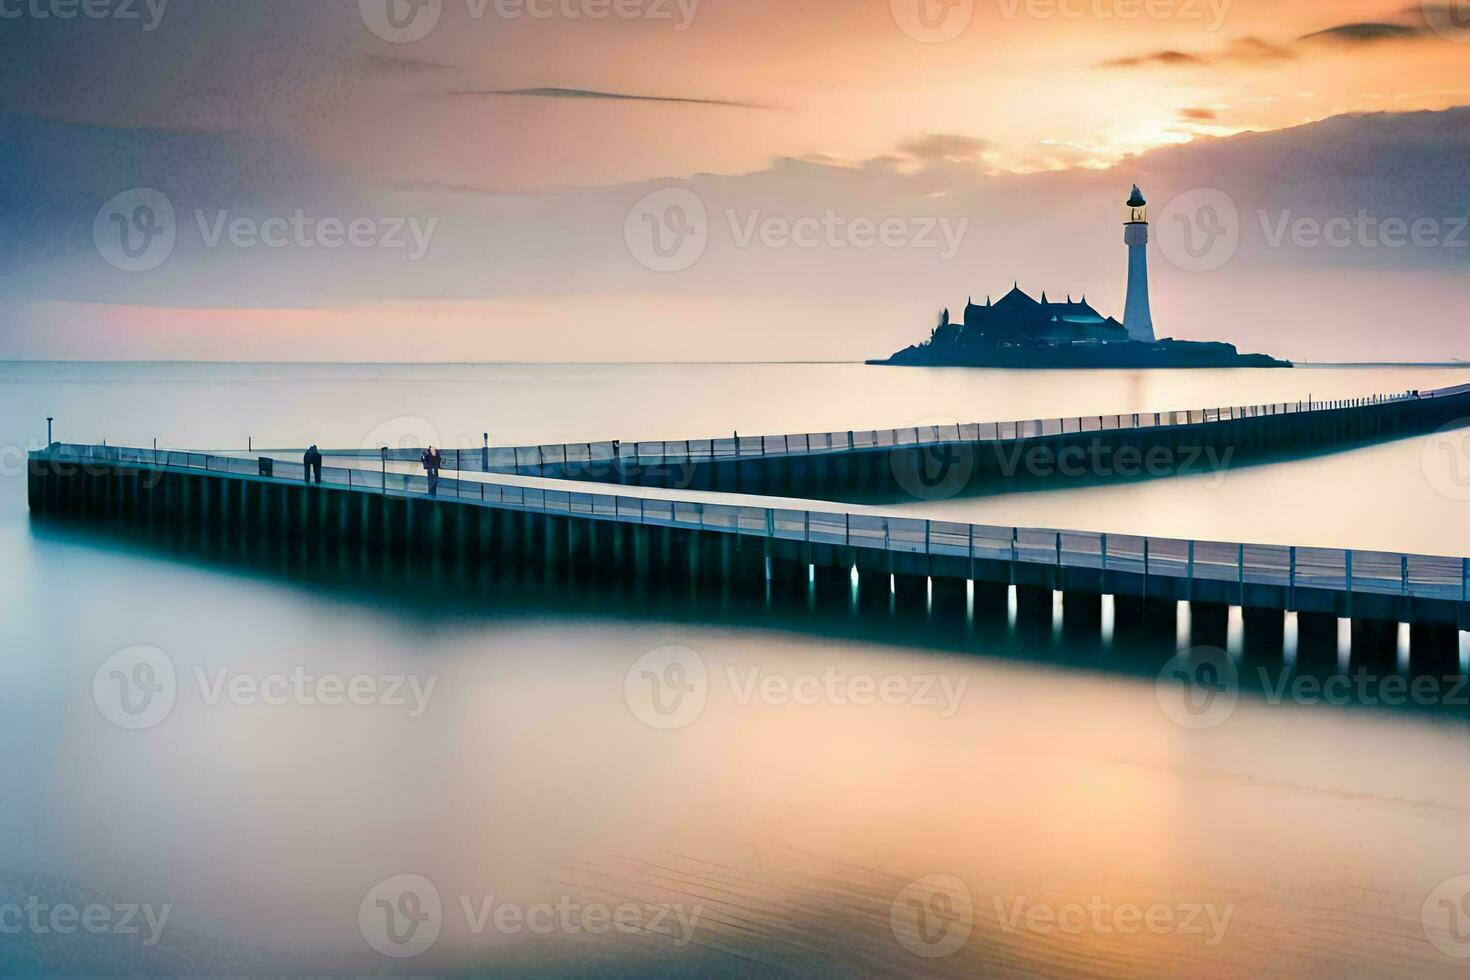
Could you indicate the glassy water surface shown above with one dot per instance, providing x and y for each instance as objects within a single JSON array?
[{"x": 1015, "y": 794}]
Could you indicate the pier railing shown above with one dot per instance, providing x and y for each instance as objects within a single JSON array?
[
  {"x": 1349, "y": 570},
  {"x": 515, "y": 459}
]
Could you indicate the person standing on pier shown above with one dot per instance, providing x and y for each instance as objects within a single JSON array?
[
  {"x": 432, "y": 460},
  {"x": 313, "y": 462}
]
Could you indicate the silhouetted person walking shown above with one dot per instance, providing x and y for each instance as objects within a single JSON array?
[
  {"x": 313, "y": 463},
  {"x": 432, "y": 460}
]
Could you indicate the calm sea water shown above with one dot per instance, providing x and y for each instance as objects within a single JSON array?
[{"x": 1016, "y": 803}]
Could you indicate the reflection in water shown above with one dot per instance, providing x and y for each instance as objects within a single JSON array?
[
  {"x": 791, "y": 832},
  {"x": 813, "y": 826}
]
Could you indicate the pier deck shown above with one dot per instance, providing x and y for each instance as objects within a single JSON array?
[
  {"x": 384, "y": 513},
  {"x": 935, "y": 462}
]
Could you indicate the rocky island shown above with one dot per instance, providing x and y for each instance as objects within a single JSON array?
[{"x": 1020, "y": 332}]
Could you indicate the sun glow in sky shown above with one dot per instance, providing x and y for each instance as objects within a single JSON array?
[
  {"x": 527, "y": 128},
  {"x": 1044, "y": 83},
  {"x": 725, "y": 86}
]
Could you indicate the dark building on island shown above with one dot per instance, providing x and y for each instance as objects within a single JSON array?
[
  {"x": 1016, "y": 315},
  {"x": 1016, "y": 319}
]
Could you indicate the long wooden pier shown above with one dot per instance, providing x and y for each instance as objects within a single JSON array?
[
  {"x": 376, "y": 515},
  {"x": 935, "y": 462}
]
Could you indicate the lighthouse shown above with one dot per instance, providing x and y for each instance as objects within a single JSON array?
[{"x": 1136, "y": 316}]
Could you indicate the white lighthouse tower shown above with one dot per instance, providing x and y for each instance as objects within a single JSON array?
[{"x": 1136, "y": 316}]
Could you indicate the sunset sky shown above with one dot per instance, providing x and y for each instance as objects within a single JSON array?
[{"x": 543, "y": 118}]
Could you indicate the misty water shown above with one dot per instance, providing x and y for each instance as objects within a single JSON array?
[{"x": 1034, "y": 777}]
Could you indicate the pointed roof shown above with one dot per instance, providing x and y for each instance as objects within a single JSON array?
[
  {"x": 1136, "y": 200},
  {"x": 1015, "y": 298}
]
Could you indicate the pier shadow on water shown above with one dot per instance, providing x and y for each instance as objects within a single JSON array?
[{"x": 1315, "y": 658}]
